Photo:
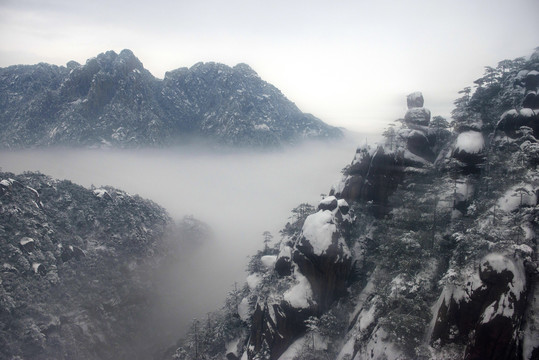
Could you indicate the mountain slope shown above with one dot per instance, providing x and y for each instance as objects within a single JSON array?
[
  {"x": 426, "y": 249},
  {"x": 113, "y": 101},
  {"x": 81, "y": 270}
]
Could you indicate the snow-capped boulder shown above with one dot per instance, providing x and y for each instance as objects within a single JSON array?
[
  {"x": 323, "y": 257},
  {"x": 102, "y": 194},
  {"x": 39, "y": 269},
  {"x": 344, "y": 208},
  {"x": 328, "y": 203},
  {"x": 415, "y": 100},
  {"x": 469, "y": 148},
  {"x": 27, "y": 244},
  {"x": 244, "y": 310},
  {"x": 531, "y": 100},
  {"x": 512, "y": 120}
]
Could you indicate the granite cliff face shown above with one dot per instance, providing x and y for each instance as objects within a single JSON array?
[
  {"x": 113, "y": 101},
  {"x": 426, "y": 249}
]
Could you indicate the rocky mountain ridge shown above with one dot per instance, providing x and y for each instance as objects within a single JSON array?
[
  {"x": 112, "y": 100},
  {"x": 426, "y": 249}
]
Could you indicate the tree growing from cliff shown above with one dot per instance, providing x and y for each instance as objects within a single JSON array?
[{"x": 267, "y": 239}]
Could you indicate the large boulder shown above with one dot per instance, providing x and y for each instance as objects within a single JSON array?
[
  {"x": 323, "y": 257},
  {"x": 469, "y": 148},
  {"x": 417, "y": 116},
  {"x": 372, "y": 177},
  {"x": 415, "y": 100},
  {"x": 511, "y": 121}
]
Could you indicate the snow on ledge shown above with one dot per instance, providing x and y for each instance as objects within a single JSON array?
[
  {"x": 244, "y": 310},
  {"x": 268, "y": 261},
  {"x": 299, "y": 295},
  {"x": 253, "y": 281}
]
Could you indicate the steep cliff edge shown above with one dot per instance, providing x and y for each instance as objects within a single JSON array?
[{"x": 425, "y": 250}]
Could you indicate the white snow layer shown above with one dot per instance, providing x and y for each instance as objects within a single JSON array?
[
  {"x": 327, "y": 200},
  {"x": 35, "y": 267},
  {"x": 244, "y": 310},
  {"x": 253, "y": 281},
  {"x": 26, "y": 240},
  {"x": 471, "y": 142},
  {"x": 504, "y": 306},
  {"x": 268, "y": 261},
  {"x": 299, "y": 295},
  {"x": 347, "y": 349},
  {"x": 100, "y": 192},
  {"x": 318, "y": 229},
  {"x": 512, "y": 198},
  {"x": 232, "y": 347},
  {"x": 341, "y": 203}
]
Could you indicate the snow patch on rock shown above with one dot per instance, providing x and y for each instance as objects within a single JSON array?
[
  {"x": 253, "y": 280},
  {"x": 244, "y": 310},
  {"x": 318, "y": 230},
  {"x": 268, "y": 261},
  {"x": 300, "y": 295},
  {"x": 471, "y": 142},
  {"x": 504, "y": 306}
]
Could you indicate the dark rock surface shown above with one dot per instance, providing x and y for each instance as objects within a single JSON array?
[
  {"x": 417, "y": 116},
  {"x": 492, "y": 311},
  {"x": 415, "y": 100}
]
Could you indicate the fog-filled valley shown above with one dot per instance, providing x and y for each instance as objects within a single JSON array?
[{"x": 239, "y": 194}]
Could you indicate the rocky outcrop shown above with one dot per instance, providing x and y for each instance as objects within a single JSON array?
[
  {"x": 528, "y": 115},
  {"x": 372, "y": 177},
  {"x": 490, "y": 306},
  {"x": 375, "y": 174},
  {"x": 317, "y": 265},
  {"x": 112, "y": 100},
  {"x": 416, "y": 114}
]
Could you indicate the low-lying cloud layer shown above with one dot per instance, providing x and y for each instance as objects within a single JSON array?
[{"x": 239, "y": 194}]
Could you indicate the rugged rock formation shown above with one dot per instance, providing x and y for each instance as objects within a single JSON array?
[
  {"x": 375, "y": 174},
  {"x": 448, "y": 269},
  {"x": 490, "y": 305},
  {"x": 512, "y": 120},
  {"x": 113, "y": 101},
  {"x": 317, "y": 267}
]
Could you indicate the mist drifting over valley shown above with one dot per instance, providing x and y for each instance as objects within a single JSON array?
[{"x": 238, "y": 193}]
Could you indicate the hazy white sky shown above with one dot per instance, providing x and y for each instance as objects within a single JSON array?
[{"x": 350, "y": 63}]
